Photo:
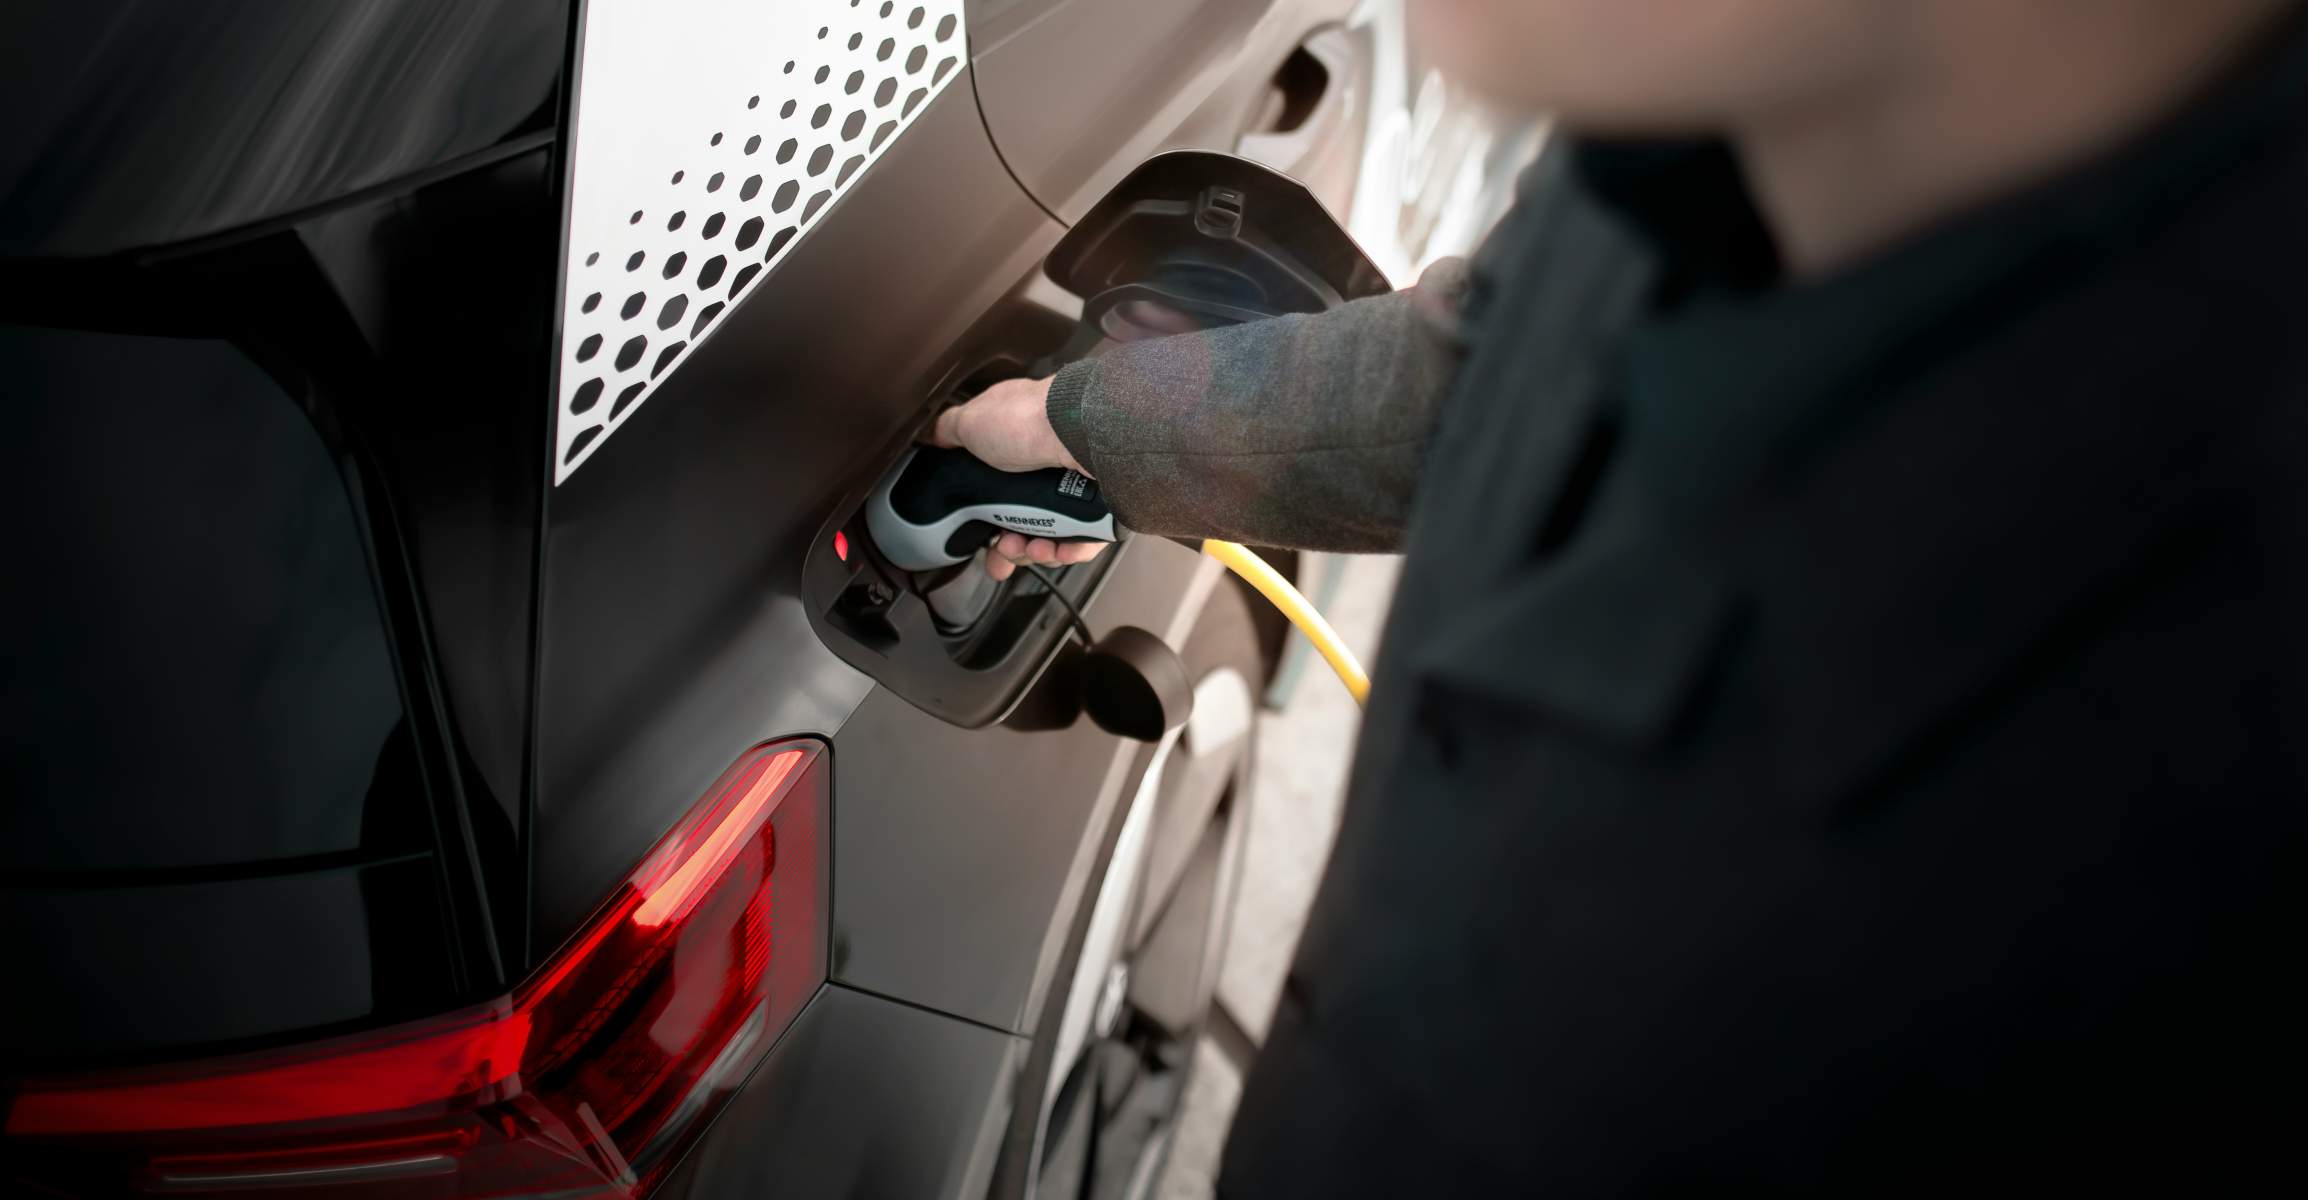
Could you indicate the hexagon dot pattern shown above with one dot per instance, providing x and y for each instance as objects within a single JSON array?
[{"x": 681, "y": 102}]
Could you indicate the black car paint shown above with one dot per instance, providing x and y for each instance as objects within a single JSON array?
[
  {"x": 135, "y": 126},
  {"x": 393, "y": 322},
  {"x": 194, "y": 469},
  {"x": 583, "y": 660},
  {"x": 190, "y": 537}
]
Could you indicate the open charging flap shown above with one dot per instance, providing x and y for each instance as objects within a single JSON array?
[
  {"x": 1195, "y": 239},
  {"x": 1190, "y": 240}
]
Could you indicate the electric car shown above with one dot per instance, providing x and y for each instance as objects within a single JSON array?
[{"x": 461, "y": 739}]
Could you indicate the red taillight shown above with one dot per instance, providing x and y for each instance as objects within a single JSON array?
[
  {"x": 589, "y": 1079},
  {"x": 841, "y": 545}
]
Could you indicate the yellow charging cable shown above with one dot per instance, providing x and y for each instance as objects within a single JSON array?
[{"x": 1294, "y": 605}]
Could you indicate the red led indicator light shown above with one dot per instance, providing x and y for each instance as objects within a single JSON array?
[{"x": 841, "y": 545}]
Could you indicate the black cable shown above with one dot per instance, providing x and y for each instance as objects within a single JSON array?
[{"x": 1081, "y": 627}]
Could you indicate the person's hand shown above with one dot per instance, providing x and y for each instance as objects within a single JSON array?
[{"x": 1008, "y": 426}]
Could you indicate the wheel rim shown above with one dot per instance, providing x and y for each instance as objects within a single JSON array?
[{"x": 1150, "y": 960}]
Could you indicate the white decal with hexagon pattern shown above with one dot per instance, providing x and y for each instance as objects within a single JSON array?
[{"x": 711, "y": 136}]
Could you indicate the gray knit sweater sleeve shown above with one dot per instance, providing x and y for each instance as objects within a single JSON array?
[{"x": 1298, "y": 431}]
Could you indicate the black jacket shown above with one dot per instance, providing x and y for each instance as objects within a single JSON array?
[{"x": 1848, "y": 738}]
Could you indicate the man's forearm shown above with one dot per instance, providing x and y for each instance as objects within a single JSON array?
[{"x": 1300, "y": 431}]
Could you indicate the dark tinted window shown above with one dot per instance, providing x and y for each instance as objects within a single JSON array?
[{"x": 197, "y": 673}]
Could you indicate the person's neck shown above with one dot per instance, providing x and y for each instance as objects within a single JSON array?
[{"x": 1839, "y": 179}]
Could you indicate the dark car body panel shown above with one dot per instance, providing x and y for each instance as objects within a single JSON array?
[
  {"x": 957, "y": 867},
  {"x": 398, "y": 323},
  {"x": 672, "y": 629},
  {"x": 368, "y": 200},
  {"x": 863, "y": 1096},
  {"x": 447, "y": 287},
  {"x": 147, "y": 124}
]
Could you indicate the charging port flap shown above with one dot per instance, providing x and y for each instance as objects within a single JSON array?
[{"x": 1195, "y": 238}]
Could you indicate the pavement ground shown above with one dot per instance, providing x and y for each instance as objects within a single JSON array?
[{"x": 1303, "y": 753}]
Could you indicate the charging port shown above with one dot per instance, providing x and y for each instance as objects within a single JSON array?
[{"x": 951, "y": 640}]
